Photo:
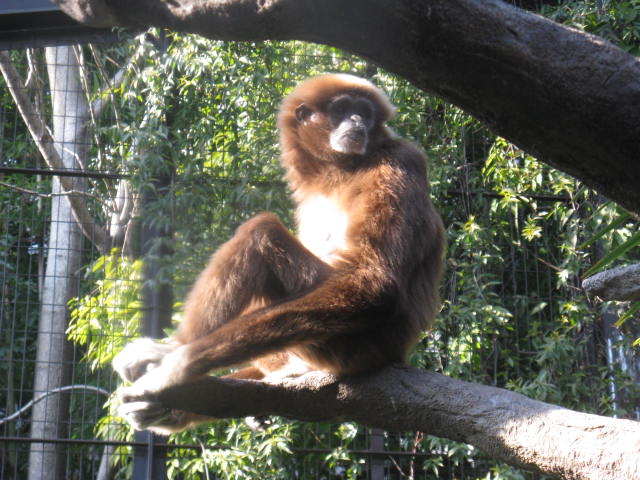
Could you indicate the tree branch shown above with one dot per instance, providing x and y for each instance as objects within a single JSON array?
[
  {"x": 570, "y": 98},
  {"x": 621, "y": 284},
  {"x": 506, "y": 425},
  {"x": 45, "y": 143}
]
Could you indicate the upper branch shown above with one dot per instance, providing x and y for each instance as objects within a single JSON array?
[
  {"x": 506, "y": 425},
  {"x": 570, "y": 98}
]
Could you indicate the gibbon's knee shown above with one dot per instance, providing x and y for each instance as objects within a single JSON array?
[
  {"x": 263, "y": 238},
  {"x": 290, "y": 267},
  {"x": 265, "y": 224}
]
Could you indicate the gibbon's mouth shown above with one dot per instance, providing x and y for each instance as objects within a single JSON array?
[
  {"x": 352, "y": 141},
  {"x": 353, "y": 144},
  {"x": 354, "y": 137}
]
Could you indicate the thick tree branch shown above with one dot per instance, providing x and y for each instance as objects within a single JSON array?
[
  {"x": 506, "y": 425},
  {"x": 570, "y": 98},
  {"x": 45, "y": 143}
]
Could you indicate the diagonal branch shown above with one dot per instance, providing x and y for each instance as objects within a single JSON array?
[
  {"x": 46, "y": 144},
  {"x": 506, "y": 425}
]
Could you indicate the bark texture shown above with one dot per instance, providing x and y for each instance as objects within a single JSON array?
[
  {"x": 506, "y": 425},
  {"x": 569, "y": 98},
  {"x": 622, "y": 284}
]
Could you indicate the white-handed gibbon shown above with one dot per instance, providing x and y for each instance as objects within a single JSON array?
[{"x": 349, "y": 294}]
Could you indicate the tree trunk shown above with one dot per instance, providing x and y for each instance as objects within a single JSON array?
[
  {"x": 569, "y": 98},
  {"x": 53, "y": 368}
]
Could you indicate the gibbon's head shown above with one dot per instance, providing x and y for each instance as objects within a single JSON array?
[{"x": 332, "y": 116}]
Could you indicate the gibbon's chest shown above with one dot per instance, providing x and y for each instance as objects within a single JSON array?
[{"x": 322, "y": 227}]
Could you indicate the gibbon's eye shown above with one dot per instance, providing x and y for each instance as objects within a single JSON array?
[
  {"x": 303, "y": 113},
  {"x": 341, "y": 107},
  {"x": 345, "y": 107}
]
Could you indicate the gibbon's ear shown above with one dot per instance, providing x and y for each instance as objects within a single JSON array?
[{"x": 303, "y": 113}]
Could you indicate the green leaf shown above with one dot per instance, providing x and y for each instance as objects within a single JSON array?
[
  {"x": 620, "y": 220},
  {"x": 617, "y": 252},
  {"x": 627, "y": 315}
]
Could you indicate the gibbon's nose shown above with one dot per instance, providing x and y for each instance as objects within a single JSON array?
[{"x": 357, "y": 119}]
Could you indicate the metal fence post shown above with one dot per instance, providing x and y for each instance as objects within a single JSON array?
[
  {"x": 376, "y": 460},
  {"x": 157, "y": 298}
]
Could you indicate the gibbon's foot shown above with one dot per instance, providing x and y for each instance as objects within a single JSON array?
[
  {"x": 139, "y": 357},
  {"x": 152, "y": 416},
  {"x": 138, "y": 404},
  {"x": 259, "y": 424},
  {"x": 142, "y": 414},
  {"x": 168, "y": 371}
]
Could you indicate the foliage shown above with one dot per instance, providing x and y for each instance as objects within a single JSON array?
[
  {"x": 105, "y": 318},
  {"x": 238, "y": 451},
  {"x": 616, "y": 20}
]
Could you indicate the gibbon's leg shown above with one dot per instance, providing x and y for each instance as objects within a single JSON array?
[
  {"x": 164, "y": 421},
  {"x": 326, "y": 311},
  {"x": 331, "y": 310},
  {"x": 263, "y": 263}
]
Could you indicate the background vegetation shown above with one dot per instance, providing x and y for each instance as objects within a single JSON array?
[{"x": 520, "y": 236}]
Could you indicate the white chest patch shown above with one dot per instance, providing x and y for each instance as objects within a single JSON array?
[{"x": 322, "y": 227}]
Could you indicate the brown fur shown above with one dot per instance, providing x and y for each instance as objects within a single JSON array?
[{"x": 265, "y": 296}]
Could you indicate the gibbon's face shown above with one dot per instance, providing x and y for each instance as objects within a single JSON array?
[
  {"x": 334, "y": 117},
  {"x": 351, "y": 120},
  {"x": 347, "y": 118}
]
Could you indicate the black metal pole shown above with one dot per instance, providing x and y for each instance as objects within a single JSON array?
[{"x": 376, "y": 447}]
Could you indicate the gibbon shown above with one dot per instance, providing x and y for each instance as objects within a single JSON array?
[{"x": 349, "y": 294}]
